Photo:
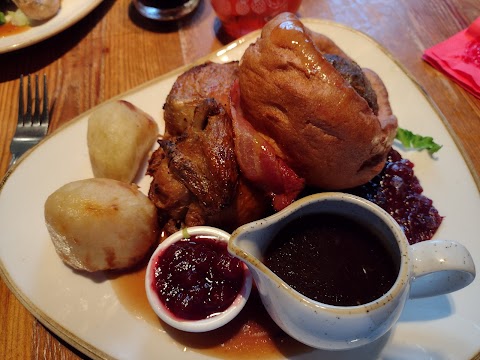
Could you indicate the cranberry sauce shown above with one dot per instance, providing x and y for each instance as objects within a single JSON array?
[
  {"x": 332, "y": 259},
  {"x": 397, "y": 190},
  {"x": 197, "y": 278}
]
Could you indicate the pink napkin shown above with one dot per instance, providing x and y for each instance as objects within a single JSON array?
[{"x": 459, "y": 58}]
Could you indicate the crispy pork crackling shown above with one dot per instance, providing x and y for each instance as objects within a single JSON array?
[{"x": 319, "y": 123}]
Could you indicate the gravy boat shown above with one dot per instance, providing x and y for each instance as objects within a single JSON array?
[{"x": 447, "y": 264}]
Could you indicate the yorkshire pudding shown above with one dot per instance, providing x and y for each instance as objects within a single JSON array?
[{"x": 294, "y": 94}]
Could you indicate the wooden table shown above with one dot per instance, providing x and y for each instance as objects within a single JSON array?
[{"x": 111, "y": 51}]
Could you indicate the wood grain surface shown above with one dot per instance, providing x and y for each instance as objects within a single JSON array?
[{"x": 112, "y": 50}]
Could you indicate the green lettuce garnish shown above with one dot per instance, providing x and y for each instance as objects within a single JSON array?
[
  {"x": 418, "y": 142},
  {"x": 2, "y": 18},
  {"x": 18, "y": 18}
]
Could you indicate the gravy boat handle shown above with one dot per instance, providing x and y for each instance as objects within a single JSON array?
[{"x": 440, "y": 267}]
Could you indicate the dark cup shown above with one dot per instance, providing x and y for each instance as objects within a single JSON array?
[{"x": 165, "y": 10}]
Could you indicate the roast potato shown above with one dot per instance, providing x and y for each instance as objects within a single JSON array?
[
  {"x": 101, "y": 224},
  {"x": 119, "y": 138}
]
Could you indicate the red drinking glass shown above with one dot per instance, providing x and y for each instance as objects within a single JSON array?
[{"x": 239, "y": 17}]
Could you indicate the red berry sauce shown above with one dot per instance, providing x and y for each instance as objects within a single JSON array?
[
  {"x": 197, "y": 278},
  {"x": 397, "y": 190}
]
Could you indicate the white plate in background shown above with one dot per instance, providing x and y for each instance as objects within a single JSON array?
[{"x": 70, "y": 12}]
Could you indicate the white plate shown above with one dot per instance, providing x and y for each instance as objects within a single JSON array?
[
  {"x": 70, "y": 12},
  {"x": 86, "y": 311}
]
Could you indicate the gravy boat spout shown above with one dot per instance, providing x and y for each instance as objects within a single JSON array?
[{"x": 333, "y": 327}]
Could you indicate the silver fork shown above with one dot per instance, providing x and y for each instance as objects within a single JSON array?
[{"x": 31, "y": 127}]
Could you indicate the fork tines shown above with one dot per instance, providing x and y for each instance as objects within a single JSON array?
[
  {"x": 37, "y": 117},
  {"x": 31, "y": 127}
]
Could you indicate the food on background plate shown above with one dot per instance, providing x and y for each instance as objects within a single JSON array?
[
  {"x": 20, "y": 13},
  {"x": 119, "y": 138},
  {"x": 15, "y": 20},
  {"x": 101, "y": 224},
  {"x": 38, "y": 9}
]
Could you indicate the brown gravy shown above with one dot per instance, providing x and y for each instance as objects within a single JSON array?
[
  {"x": 9, "y": 29},
  {"x": 332, "y": 259},
  {"x": 251, "y": 335}
]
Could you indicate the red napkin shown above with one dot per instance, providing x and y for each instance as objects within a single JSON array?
[{"x": 459, "y": 58}]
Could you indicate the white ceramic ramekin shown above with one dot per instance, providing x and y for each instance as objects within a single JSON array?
[{"x": 203, "y": 325}]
